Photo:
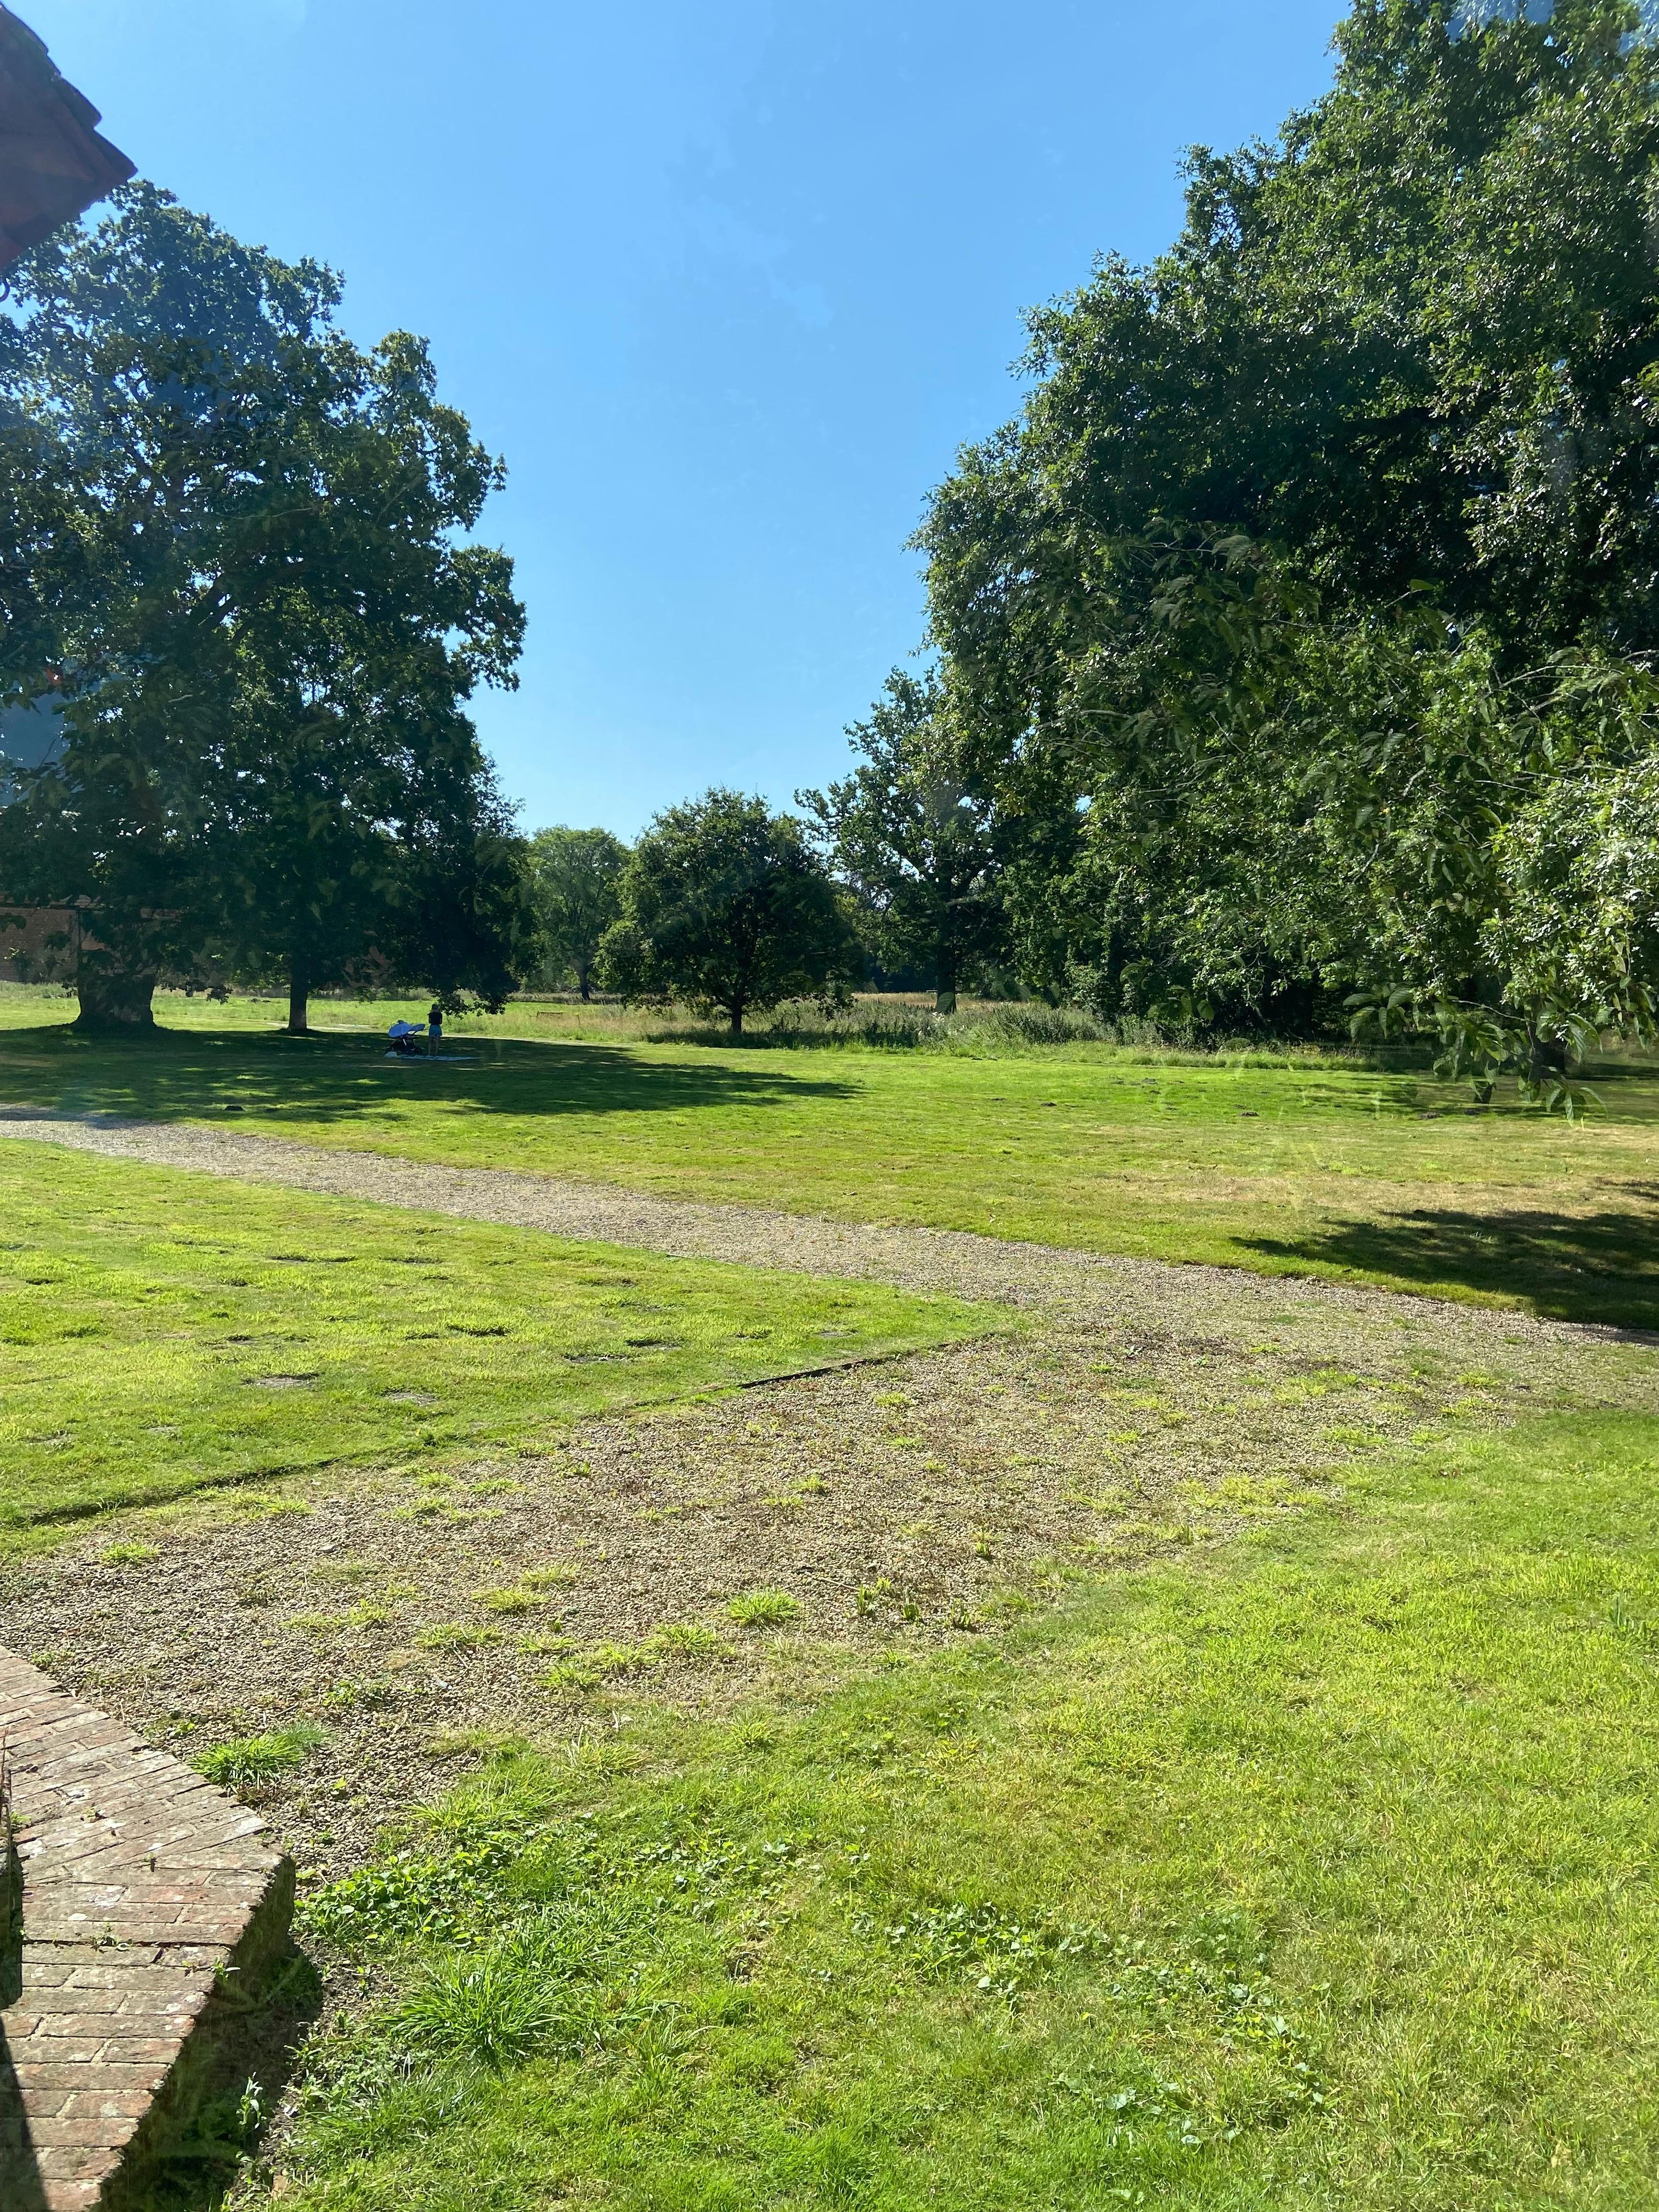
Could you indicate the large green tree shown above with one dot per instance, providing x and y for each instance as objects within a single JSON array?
[
  {"x": 129, "y": 438},
  {"x": 910, "y": 838},
  {"x": 1389, "y": 404},
  {"x": 725, "y": 906},
  {"x": 575, "y": 877},
  {"x": 261, "y": 611}
]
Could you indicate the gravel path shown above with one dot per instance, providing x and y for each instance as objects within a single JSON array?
[
  {"x": 1140, "y": 1408},
  {"x": 411, "y": 1615},
  {"x": 914, "y": 1259},
  {"x": 1204, "y": 1301}
]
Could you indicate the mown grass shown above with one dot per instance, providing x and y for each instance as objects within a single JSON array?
[
  {"x": 1316, "y": 1871},
  {"x": 1284, "y": 1166},
  {"x": 161, "y": 1331}
]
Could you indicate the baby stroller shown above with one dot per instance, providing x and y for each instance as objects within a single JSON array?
[{"x": 405, "y": 1039}]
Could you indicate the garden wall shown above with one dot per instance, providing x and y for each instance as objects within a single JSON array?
[{"x": 150, "y": 1900}]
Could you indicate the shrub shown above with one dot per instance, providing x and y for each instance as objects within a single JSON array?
[
  {"x": 764, "y": 1609},
  {"x": 247, "y": 1761}
]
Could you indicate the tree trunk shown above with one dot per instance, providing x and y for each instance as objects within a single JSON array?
[
  {"x": 737, "y": 1020},
  {"x": 114, "y": 1000},
  {"x": 582, "y": 974},
  {"x": 299, "y": 994},
  {"x": 1546, "y": 1057},
  {"x": 944, "y": 977},
  {"x": 1114, "y": 974}
]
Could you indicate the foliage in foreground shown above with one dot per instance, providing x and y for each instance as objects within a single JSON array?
[
  {"x": 161, "y": 1331},
  {"x": 1309, "y": 1871}
]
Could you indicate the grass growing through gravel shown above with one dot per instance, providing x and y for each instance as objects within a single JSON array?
[
  {"x": 247, "y": 1761},
  {"x": 161, "y": 1331},
  {"x": 1313, "y": 1872},
  {"x": 1293, "y": 1165}
]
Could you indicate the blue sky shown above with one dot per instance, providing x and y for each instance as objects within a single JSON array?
[{"x": 727, "y": 282}]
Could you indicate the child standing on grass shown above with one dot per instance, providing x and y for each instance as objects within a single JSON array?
[{"x": 435, "y": 1028}]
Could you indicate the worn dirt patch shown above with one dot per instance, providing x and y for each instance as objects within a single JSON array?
[
  {"x": 1132, "y": 1410},
  {"x": 410, "y": 1616}
]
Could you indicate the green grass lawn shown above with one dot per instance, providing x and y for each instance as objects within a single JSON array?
[
  {"x": 1316, "y": 1871},
  {"x": 161, "y": 1331},
  {"x": 1286, "y": 1167}
]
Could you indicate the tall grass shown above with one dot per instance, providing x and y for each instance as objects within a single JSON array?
[{"x": 995, "y": 1029}]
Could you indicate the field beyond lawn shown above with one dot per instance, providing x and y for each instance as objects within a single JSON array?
[
  {"x": 1286, "y": 1166},
  {"x": 161, "y": 1331},
  {"x": 1314, "y": 1871}
]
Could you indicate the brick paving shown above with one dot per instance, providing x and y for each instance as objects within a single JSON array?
[{"x": 143, "y": 1885}]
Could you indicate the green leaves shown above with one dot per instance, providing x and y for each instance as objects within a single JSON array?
[
  {"x": 912, "y": 838},
  {"x": 574, "y": 877},
  {"x": 725, "y": 906},
  {"x": 1300, "y": 622},
  {"x": 236, "y": 542}
]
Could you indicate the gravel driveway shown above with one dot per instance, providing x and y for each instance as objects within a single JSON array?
[{"x": 950, "y": 1261}]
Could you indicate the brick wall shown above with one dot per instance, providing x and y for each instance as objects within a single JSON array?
[
  {"x": 29, "y": 954},
  {"x": 143, "y": 1885}
]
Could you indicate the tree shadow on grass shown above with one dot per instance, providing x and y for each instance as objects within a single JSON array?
[
  {"x": 176, "y": 1075},
  {"x": 1600, "y": 1267}
]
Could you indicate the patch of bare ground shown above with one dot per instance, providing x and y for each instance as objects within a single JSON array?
[{"x": 410, "y": 1616}]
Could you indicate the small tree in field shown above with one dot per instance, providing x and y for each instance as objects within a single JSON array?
[
  {"x": 728, "y": 907},
  {"x": 575, "y": 882}
]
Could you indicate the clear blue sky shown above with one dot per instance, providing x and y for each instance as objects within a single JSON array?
[{"x": 727, "y": 282}]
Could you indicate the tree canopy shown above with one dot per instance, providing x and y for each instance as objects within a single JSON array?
[
  {"x": 238, "y": 561},
  {"x": 575, "y": 884},
  {"x": 727, "y": 906},
  {"x": 910, "y": 839},
  {"x": 1303, "y": 614}
]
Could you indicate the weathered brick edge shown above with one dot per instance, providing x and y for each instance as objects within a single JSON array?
[{"x": 145, "y": 1890}]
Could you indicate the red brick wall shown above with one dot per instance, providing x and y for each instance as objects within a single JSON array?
[{"x": 27, "y": 955}]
